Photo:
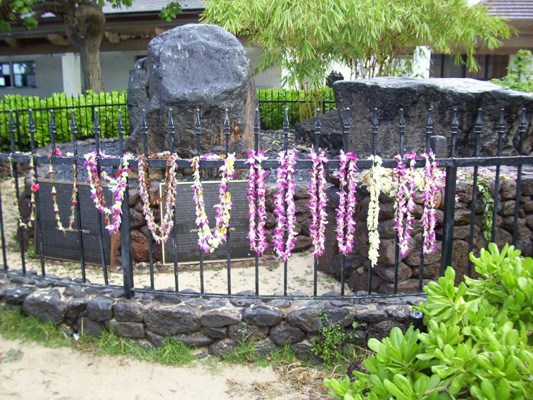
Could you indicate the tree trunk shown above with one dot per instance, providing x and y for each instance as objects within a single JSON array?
[{"x": 85, "y": 26}]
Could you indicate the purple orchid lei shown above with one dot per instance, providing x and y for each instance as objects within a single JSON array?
[
  {"x": 161, "y": 232},
  {"x": 285, "y": 209},
  {"x": 405, "y": 200},
  {"x": 256, "y": 193},
  {"x": 34, "y": 190},
  {"x": 347, "y": 202},
  {"x": 317, "y": 202},
  {"x": 73, "y": 198},
  {"x": 208, "y": 241},
  {"x": 433, "y": 182},
  {"x": 118, "y": 186}
]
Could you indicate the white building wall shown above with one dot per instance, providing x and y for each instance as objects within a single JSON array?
[
  {"x": 48, "y": 73},
  {"x": 116, "y": 67},
  {"x": 269, "y": 79}
]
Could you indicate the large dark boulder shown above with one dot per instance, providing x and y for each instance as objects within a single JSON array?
[
  {"x": 187, "y": 68},
  {"x": 415, "y": 96}
]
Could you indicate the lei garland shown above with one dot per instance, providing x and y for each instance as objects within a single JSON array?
[
  {"x": 375, "y": 186},
  {"x": 118, "y": 186},
  {"x": 256, "y": 193},
  {"x": 317, "y": 202},
  {"x": 34, "y": 189},
  {"x": 73, "y": 198},
  {"x": 347, "y": 202},
  {"x": 208, "y": 241},
  {"x": 161, "y": 232},
  {"x": 285, "y": 209},
  {"x": 404, "y": 201},
  {"x": 433, "y": 181}
]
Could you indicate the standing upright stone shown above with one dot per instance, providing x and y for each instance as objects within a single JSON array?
[{"x": 187, "y": 68}]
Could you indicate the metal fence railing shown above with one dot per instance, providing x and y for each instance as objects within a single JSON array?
[{"x": 129, "y": 273}]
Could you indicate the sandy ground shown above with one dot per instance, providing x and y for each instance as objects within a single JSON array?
[
  {"x": 29, "y": 371},
  {"x": 271, "y": 274}
]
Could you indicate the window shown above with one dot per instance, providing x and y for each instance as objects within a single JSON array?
[
  {"x": 18, "y": 74},
  {"x": 5, "y": 74}
]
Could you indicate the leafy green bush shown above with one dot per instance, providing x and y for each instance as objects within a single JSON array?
[
  {"x": 107, "y": 105},
  {"x": 478, "y": 343},
  {"x": 301, "y": 105},
  {"x": 332, "y": 340},
  {"x": 520, "y": 73}
]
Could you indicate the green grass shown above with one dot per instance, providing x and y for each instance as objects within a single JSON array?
[{"x": 16, "y": 326}]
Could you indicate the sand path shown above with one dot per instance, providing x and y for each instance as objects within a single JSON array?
[{"x": 30, "y": 371}]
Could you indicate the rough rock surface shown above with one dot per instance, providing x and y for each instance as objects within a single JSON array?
[
  {"x": 415, "y": 96},
  {"x": 187, "y": 68}
]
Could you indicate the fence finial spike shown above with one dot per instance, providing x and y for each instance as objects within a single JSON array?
[
  {"x": 523, "y": 120},
  {"x": 286, "y": 119},
  {"x": 375, "y": 120},
  {"x": 197, "y": 120},
  {"x": 402, "y": 118},
  {"x": 501, "y": 121},
  {"x": 226, "y": 121},
  {"x": 479, "y": 119},
  {"x": 256, "y": 118}
]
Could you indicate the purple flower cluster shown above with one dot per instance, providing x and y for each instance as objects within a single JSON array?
[
  {"x": 285, "y": 209},
  {"x": 405, "y": 200},
  {"x": 347, "y": 202},
  {"x": 433, "y": 182},
  {"x": 317, "y": 202},
  {"x": 256, "y": 194}
]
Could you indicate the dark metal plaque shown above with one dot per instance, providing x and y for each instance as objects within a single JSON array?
[
  {"x": 66, "y": 246},
  {"x": 186, "y": 231}
]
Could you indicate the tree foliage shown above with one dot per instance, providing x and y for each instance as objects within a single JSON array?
[
  {"x": 84, "y": 25},
  {"x": 520, "y": 73},
  {"x": 306, "y": 36}
]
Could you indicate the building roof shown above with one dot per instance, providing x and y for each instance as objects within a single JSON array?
[
  {"x": 141, "y": 6},
  {"x": 511, "y": 9}
]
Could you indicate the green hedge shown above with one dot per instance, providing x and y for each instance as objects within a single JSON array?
[
  {"x": 272, "y": 103},
  {"x": 301, "y": 105},
  {"x": 108, "y": 104}
]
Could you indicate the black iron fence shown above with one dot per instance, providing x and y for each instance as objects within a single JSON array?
[
  {"x": 130, "y": 272},
  {"x": 272, "y": 103}
]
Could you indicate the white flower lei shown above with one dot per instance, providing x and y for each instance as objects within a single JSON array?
[
  {"x": 34, "y": 189},
  {"x": 208, "y": 241},
  {"x": 375, "y": 185},
  {"x": 161, "y": 232}
]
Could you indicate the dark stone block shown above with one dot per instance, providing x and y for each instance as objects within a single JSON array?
[
  {"x": 87, "y": 326},
  {"x": 171, "y": 320},
  {"x": 216, "y": 333},
  {"x": 265, "y": 347},
  {"x": 100, "y": 309},
  {"x": 48, "y": 306},
  {"x": 222, "y": 347},
  {"x": 128, "y": 311},
  {"x": 194, "y": 340},
  {"x": 244, "y": 332},
  {"x": 286, "y": 334},
  {"x": 306, "y": 319},
  {"x": 262, "y": 316},
  {"x": 133, "y": 330},
  {"x": 16, "y": 295},
  {"x": 221, "y": 317}
]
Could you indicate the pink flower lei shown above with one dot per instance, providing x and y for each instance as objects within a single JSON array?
[
  {"x": 73, "y": 198},
  {"x": 347, "y": 202},
  {"x": 34, "y": 190},
  {"x": 256, "y": 193},
  {"x": 433, "y": 182},
  {"x": 405, "y": 200},
  {"x": 161, "y": 232},
  {"x": 317, "y": 202},
  {"x": 285, "y": 209},
  {"x": 208, "y": 241},
  {"x": 118, "y": 186}
]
